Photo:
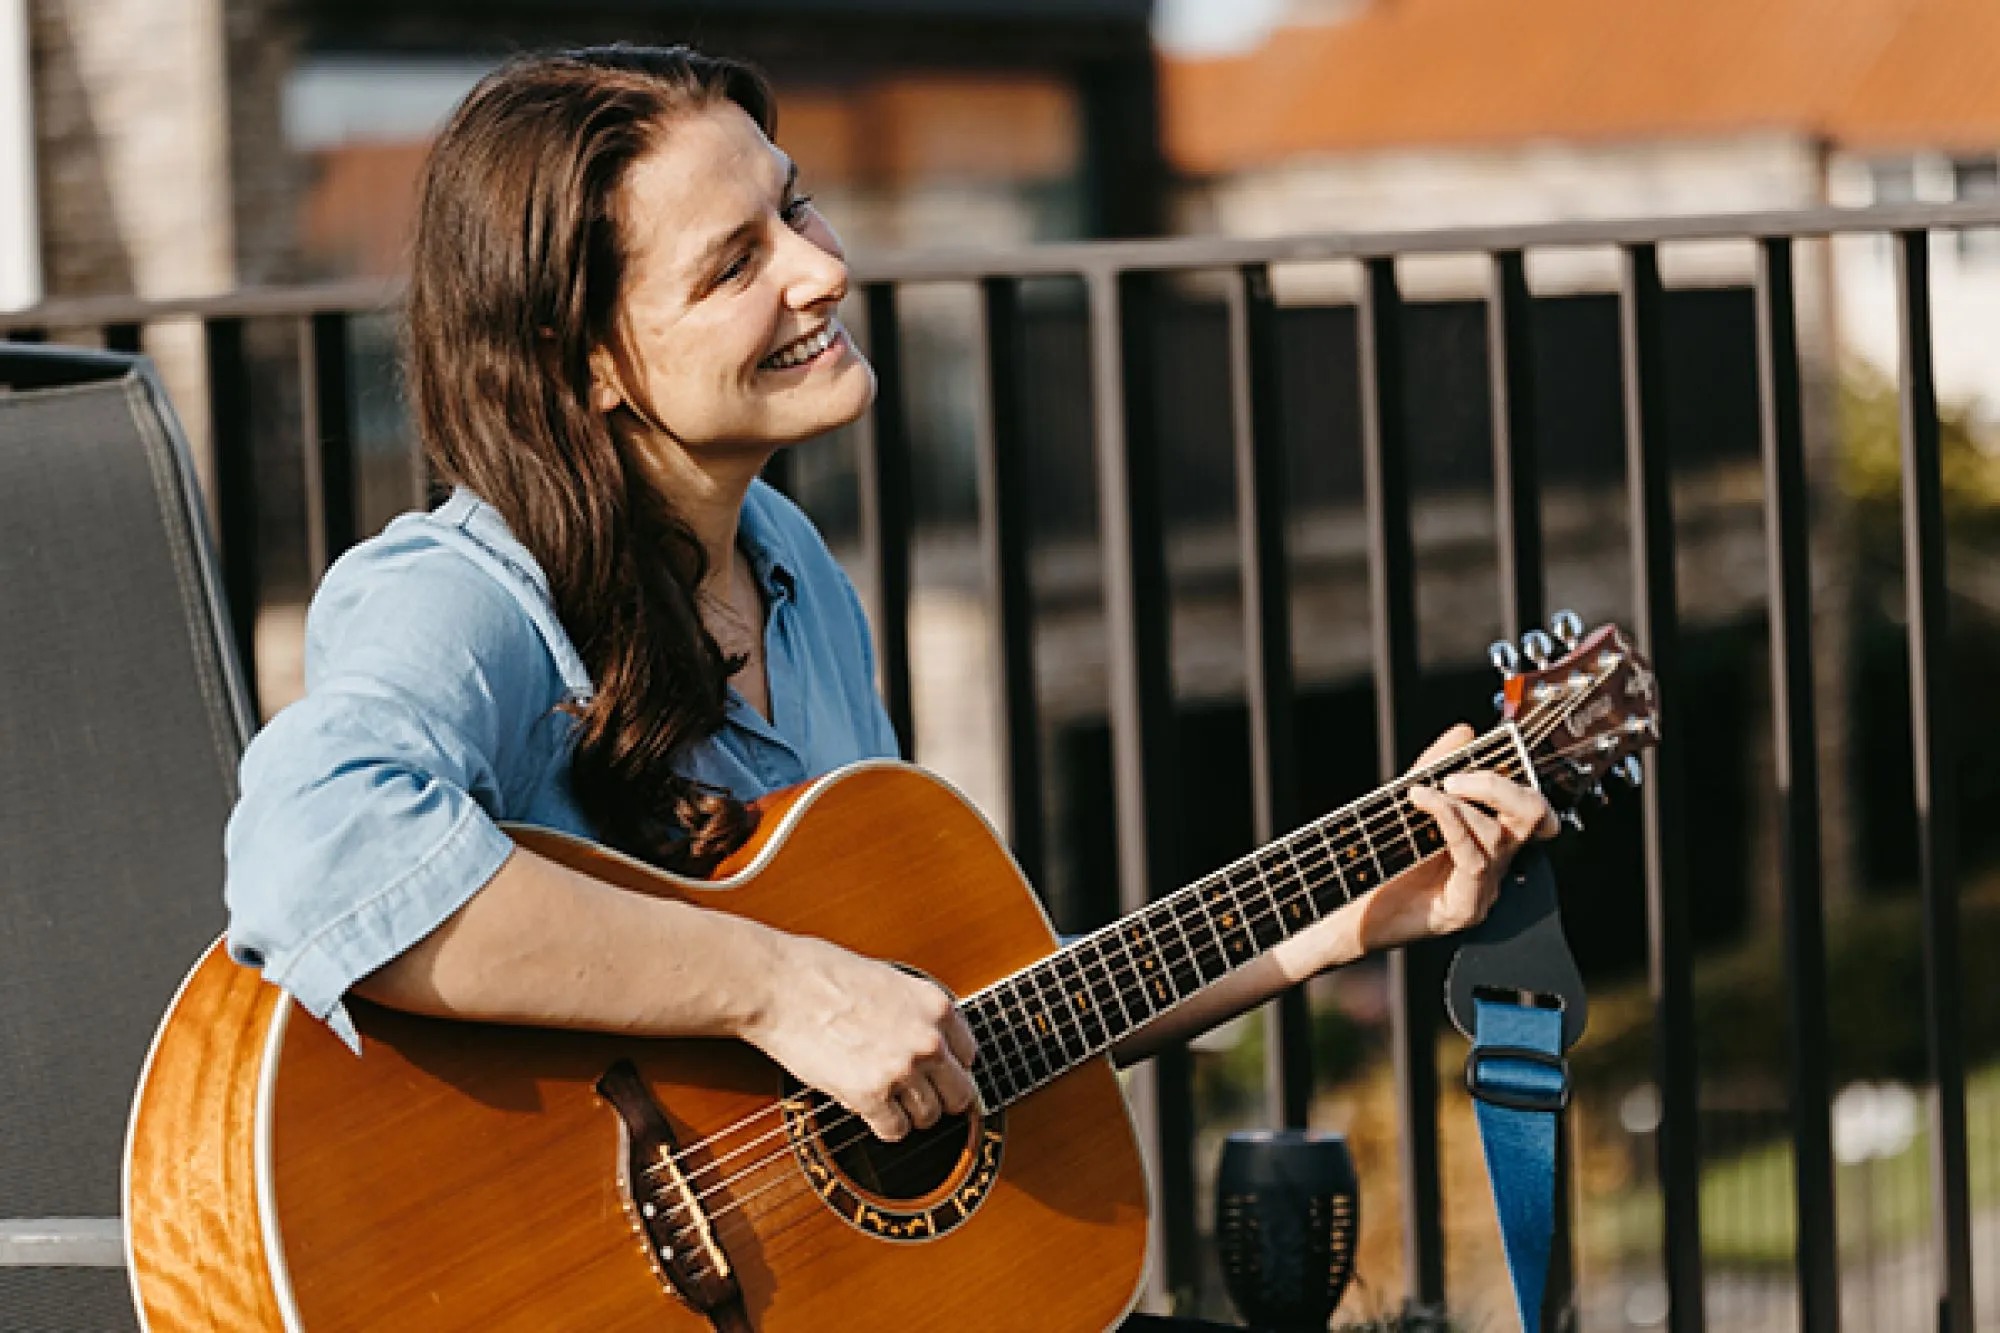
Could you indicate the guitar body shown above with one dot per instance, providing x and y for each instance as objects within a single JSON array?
[{"x": 465, "y": 1176}]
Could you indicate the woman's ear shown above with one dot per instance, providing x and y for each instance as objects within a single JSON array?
[{"x": 607, "y": 391}]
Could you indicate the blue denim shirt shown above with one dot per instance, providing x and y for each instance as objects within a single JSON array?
[{"x": 435, "y": 671}]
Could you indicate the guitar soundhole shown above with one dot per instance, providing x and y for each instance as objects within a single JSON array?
[
  {"x": 910, "y": 1169},
  {"x": 917, "y": 1188}
]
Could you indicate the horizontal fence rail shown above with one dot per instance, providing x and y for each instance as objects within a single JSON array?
[{"x": 1121, "y": 287}]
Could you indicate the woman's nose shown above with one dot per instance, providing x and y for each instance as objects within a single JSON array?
[{"x": 816, "y": 272}]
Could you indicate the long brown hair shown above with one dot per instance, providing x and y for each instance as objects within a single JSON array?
[{"x": 518, "y": 266}]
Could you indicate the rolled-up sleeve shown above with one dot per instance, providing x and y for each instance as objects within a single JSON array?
[{"x": 368, "y": 809}]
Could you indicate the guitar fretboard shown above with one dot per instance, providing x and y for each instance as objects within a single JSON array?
[{"x": 1037, "y": 1024}]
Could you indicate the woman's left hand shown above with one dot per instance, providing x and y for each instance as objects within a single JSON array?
[{"x": 1485, "y": 819}]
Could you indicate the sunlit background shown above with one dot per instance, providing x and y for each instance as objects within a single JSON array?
[{"x": 176, "y": 148}]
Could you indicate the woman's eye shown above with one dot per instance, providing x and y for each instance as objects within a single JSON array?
[
  {"x": 794, "y": 213},
  {"x": 735, "y": 269}
]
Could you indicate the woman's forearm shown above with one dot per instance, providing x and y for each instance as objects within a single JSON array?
[
  {"x": 543, "y": 945},
  {"x": 1332, "y": 942}
]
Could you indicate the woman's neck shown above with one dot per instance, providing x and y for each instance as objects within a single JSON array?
[{"x": 707, "y": 492}]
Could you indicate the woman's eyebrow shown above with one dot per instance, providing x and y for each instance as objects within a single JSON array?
[{"x": 712, "y": 253}]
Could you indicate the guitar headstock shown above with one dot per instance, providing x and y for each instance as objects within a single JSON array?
[{"x": 1584, "y": 716}]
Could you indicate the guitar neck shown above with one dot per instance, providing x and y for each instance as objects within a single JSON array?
[{"x": 1077, "y": 1003}]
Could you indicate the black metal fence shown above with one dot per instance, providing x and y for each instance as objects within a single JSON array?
[{"x": 1123, "y": 287}]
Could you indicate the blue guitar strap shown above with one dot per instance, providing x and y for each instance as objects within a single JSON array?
[
  {"x": 1519, "y": 1082},
  {"x": 1514, "y": 989}
]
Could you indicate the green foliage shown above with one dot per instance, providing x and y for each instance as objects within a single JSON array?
[
  {"x": 1874, "y": 1003},
  {"x": 1230, "y": 1083},
  {"x": 1871, "y": 471}
]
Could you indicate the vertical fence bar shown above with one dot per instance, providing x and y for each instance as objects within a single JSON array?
[
  {"x": 886, "y": 509},
  {"x": 327, "y": 426},
  {"x": 1257, "y": 420},
  {"x": 1937, "y": 813},
  {"x": 1510, "y": 369},
  {"x": 1003, "y": 535},
  {"x": 1795, "y": 744},
  {"x": 122, "y": 338},
  {"x": 1670, "y": 941},
  {"x": 1132, "y": 530},
  {"x": 235, "y": 486},
  {"x": 1415, "y": 979},
  {"x": 1511, "y": 376}
]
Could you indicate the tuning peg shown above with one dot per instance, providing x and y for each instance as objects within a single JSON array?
[
  {"x": 1504, "y": 659},
  {"x": 1500, "y": 701},
  {"x": 1601, "y": 796},
  {"x": 1630, "y": 770},
  {"x": 1536, "y": 646},
  {"x": 1567, "y": 626},
  {"x": 1574, "y": 818}
]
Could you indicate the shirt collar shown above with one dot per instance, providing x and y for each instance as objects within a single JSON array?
[
  {"x": 759, "y": 533},
  {"x": 771, "y": 558}
]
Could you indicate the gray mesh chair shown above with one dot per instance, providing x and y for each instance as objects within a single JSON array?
[{"x": 121, "y": 718}]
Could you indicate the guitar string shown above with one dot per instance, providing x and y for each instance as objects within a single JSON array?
[
  {"x": 897, "y": 1158},
  {"x": 1313, "y": 861},
  {"x": 1197, "y": 958},
  {"x": 823, "y": 1131},
  {"x": 766, "y": 1235}
]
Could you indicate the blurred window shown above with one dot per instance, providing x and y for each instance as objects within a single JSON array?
[
  {"x": 1895, "y": 180},
  {"x": 1977, "y": 178}
]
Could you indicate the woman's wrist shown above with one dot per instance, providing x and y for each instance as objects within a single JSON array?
[
  {"x": 1334, "y": 942},
  {"x": 761, "y": 962}
]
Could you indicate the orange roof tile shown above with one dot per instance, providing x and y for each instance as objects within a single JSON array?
[{"x": 1466, "y": 72}]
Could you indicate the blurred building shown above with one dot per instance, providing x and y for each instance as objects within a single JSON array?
[
  {"x": 1388, "y": 115},
  {"x": 181, "y": 147}
]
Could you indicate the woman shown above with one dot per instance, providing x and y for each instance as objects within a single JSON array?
[{"x": 621, "y": 306}]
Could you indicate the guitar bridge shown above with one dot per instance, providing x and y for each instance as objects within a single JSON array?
[{"x": 665, "y": 1207}]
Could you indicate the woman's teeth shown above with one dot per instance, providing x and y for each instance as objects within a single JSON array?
[{"x": 805, "y": 349}]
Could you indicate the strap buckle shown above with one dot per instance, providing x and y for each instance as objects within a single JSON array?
[{"x": 1516, "y": 1099}]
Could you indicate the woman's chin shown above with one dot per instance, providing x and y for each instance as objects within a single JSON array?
[{"x": 839, "y": 399}]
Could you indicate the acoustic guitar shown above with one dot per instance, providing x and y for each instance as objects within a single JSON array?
[{"x": 465, "y": 1176}]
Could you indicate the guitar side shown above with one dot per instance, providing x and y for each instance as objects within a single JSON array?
[{"x": 464, "y": 1176}]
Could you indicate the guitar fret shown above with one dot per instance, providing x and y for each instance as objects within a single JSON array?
[
  {"x": 1033, "y": 1058},
  {"x": 1152, "y": 973},
  {"x": 1336, "y": 876},
  {"x": 1361, "y": 823},
  {"x": 1082, "y": 1006},
  {"x": 1402, "y": 805},
  {"x": 1131, "y": 986},
  {"x": 1298, "y": 909},
  {"x": 1268, "y": 927},
  {"x": 1052, "y": 1020},
  {"x": 1429, "y": 837},
  {"x": 987, "y": 1070},
  {"x": 1209, "y": 961},
  {"x": 1186, "y": 971},
  {"x": 1009, "y": 1059},
  {"x": 1358, "y": 868},
  {"x": 1104, "y": 983},
  {"x": 1044, "y": 1020},
  {"x": 1225, "y": 914}
]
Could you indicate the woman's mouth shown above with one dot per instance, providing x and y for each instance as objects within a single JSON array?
[{"x": 802, "y": 350}]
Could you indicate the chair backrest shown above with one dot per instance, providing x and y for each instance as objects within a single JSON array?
[{"x": 122, "y": 715}]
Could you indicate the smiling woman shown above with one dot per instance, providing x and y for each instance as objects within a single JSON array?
[{"x": 621, "y": 306}]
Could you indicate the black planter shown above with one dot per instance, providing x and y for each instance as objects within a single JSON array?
[{"x": 1287, "y": 1212}]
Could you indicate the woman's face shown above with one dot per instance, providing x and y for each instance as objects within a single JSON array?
[{"x": 733, "y": 278}]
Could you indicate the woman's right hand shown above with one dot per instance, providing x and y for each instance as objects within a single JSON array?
[{"x": 890, "y": 1047}]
